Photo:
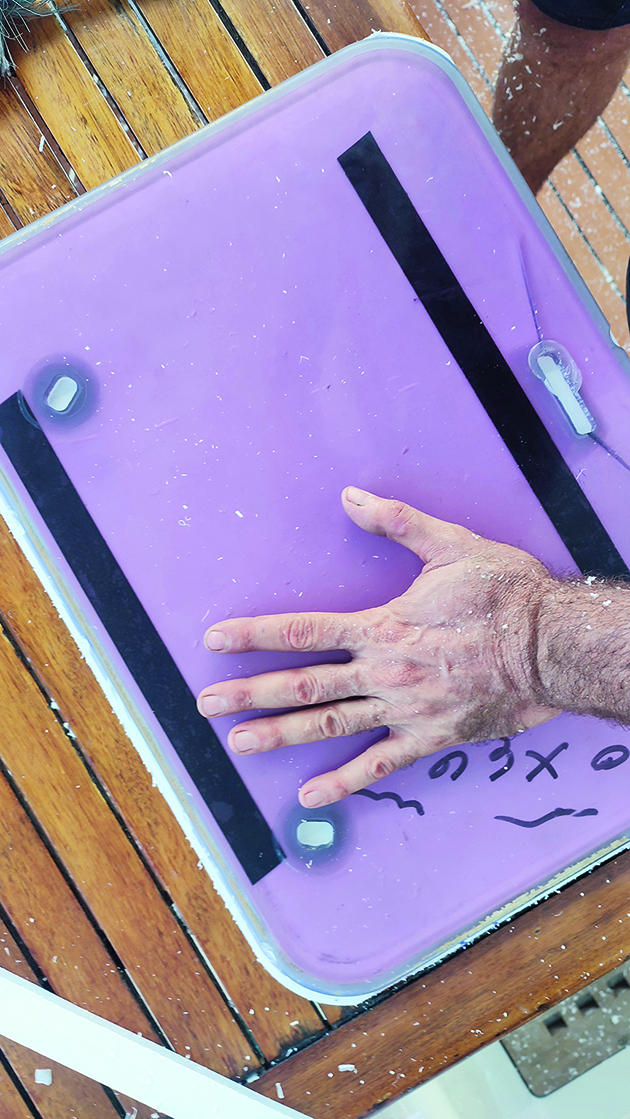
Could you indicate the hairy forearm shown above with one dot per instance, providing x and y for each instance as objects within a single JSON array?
[{"x": 583, "y": 648}]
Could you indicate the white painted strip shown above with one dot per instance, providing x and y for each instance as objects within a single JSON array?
[{"x": 123, "y": 1061}]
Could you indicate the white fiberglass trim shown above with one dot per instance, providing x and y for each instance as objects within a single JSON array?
[{"x": 129, "y": 1064}]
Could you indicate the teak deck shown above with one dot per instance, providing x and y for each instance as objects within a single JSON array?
[{"x": 101, "y": 897}]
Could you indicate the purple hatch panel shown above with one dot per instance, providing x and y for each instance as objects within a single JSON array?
[{"x": 256, "y": 347}]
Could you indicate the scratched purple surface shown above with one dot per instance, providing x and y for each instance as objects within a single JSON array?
[{"x": 258, "y": 348}]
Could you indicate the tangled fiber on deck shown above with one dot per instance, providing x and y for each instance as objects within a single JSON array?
[{"x": 14, "y": 15}]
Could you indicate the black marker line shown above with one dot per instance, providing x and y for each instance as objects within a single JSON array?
[
  {"x": 545, "y": 762},
  {"x": 442, "y": 766},
  {"x": 504, "y": 751},
  {"x": 391, "y": 796},
  {"x": 480, "y": 360},
  {"x": 550, "y": 816},
  {"x": 137, "y": 640},
  {"x": 540, "y": 820},
  {"x": 605, "y": 759}
]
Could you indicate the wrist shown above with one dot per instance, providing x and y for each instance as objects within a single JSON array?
[
  {"x": 583, "y": 659},
  {"x": 518, "y": 637}
]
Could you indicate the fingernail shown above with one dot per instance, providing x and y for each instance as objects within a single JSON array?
[
  {"x": 314, "y": 799},
  {"x": 356, "y": 496},
  {"x": 244, "y": 742},
  {"x": 216, "y": 641},
  {"x": 213, "y": 705}
]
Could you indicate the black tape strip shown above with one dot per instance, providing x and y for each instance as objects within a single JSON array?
[
  {"x": 480, "y": 360},
  {"x": 137, "y": 640}
]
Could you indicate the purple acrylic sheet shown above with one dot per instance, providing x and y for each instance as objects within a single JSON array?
[{"x": 256, "y": 348}]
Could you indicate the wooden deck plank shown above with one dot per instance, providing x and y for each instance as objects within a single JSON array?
[
  {"x": 207, "y": 58},
  {"x": 139, "y": 1110},
  {"x": 548, "y": 953},
  {"x": 52, "y": 925},
  {"x": 341, "y": 22},
  {"x": 6, "y": 225},
  {"x": 32, "y": 180},
  {"x": 604, "y": 150},
  {"x": 587, "y": 205},
  {"x": 78, "y": 115},
  {"x": 617, "y": 117},
  {"x": 280, "y": 1019},
  {"x": 605, "y": 229},
  {"x": 443, "y": 34},
  {"x": 601, "y": 181},
  {"x": 481, "y": 36},
  {"x": 107, "y": 871},
  {"x": 133, "y": 72},
  {"x": 598, "y": 225},
  {"x": 12, "y": 956},
  {"x": 278, "y": 38},
  {"x": 577, "y": 247},
  {"x": 68, "y": 1088},
  {"x": 12, "y": 1105},
  {"x": 500, "y": 12},
  {"x": 605, "y": 165}
]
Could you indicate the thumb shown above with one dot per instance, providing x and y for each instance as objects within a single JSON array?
[{"x": 434, "y": 541}]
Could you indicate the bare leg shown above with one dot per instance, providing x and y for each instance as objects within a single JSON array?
[{"x": 553, "y": 83}]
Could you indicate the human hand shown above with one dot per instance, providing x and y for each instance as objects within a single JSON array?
[{"x": 451, "y": 660}]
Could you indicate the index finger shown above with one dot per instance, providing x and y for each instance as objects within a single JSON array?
[{"x": 295, "y": 633}]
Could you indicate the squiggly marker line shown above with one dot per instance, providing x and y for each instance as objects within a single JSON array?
[
  {"x": 549, "y": 816},
  {"x": 391, "y": 796}
]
